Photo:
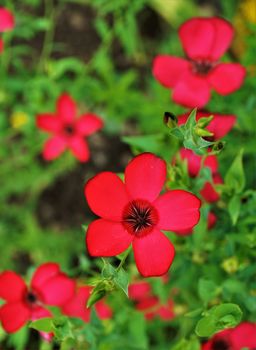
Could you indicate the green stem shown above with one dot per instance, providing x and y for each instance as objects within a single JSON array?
[
  {"x": 127, "y": 252},
  {"x": 49, "y": 34}
]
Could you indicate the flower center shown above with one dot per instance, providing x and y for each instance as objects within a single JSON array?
[
  {"x": 69, "y": 129},
  {"x": 139, "y": 217},
  {"x": 202, "y": 67},
  {"x": 220, "y": 345},
  {"x": 31, "y": 298}
]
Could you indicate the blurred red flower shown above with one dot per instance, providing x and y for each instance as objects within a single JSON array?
[
  {"x": 149, "y": 304},
  {"x": 220, "y": 125},
  {"x": 204, "y": 41},
  {"x": 68, "y": 131},
  {"x": 194, "y": 161},
  {"x": 6, "y": 23},
  {"x": 238, "y": 338},
  {"x": 76, "y": 307},
  {"x": 49, "y": 286},
  {"x": 134, "y": 213}
]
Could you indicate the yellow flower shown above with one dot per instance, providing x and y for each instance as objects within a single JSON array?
[
  {"x": 18, "y": 119},
  {"x": 248, "y": 10}
]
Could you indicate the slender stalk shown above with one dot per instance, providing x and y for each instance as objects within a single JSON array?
[{"x": 124, "y": 259}]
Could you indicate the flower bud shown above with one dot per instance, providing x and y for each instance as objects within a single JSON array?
[{"x": 170, "y": 120}]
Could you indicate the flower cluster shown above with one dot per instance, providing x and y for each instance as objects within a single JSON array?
[{"x": 49, "y": 287}]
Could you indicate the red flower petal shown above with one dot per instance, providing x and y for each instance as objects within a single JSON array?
[
  {"x": 76, "y": 307},
  {"x": 208, "y": 192},
  {"x": 106, "y": 195},
  {"x": 168, "y": 69},
  {"x": 178, "y": 210},
  {"x": 153, "y": 254},
  {"x": 39, "y": 312},
  {"x": 66, "y": 108},
  {"x": 220, "y": 125},
  {"x": 57, "y": 290},
  {"x": 88, "y": 124},
  {"x": 48, "y": 122},
  {"x": 12, "y": 286},
  {"x": 224, "y": 33},
  {"x": 6, "y": 20},
  {"x": 148, "y": 303},
  {"x": 193, "y": 161},
  {"x": 145, "y": 176},
  {"x": 79, "y": 148},
  {"x": 165, "y": 312},
  {"x": 225, "y": 78},
  {"x": 244, "y": 336},
  {"x": 197, "y": 36},
  {"x": 43, "y": 273},
  {"x": 54, "y": 147},
  {"x": 107, "y": 238},
  {"x": 206, "y": 38},
  {"x": 139, "y": 290},
  {"x": 191, "y": 91},
  {"x": 14, "y": 316},
  {"x": 103, "y": 310}
]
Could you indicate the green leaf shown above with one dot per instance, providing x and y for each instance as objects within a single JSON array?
[
  {"x": 122, "y": 280},
  {"x": 234, "y": 206},
  {"x": 207, "y": 290},
  {"x": 235, "y": 178},
  {"x": 218, "y": 318},
  {"x": 42, "y": 325}
]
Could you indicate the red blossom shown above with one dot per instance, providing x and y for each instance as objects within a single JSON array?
[
  {"x": 49, "y": 286},
  {"x": 220, "y": 125},
  {"x": 204, "y": 41},
  {"x": 238, "y": 338},
  {"x": 68, "y": 131},
  {"x": 209, "y": 192},
  {"x": 149, "y": 304},
  {"x": 194, "y": 162},
  {"x": 133, "y": 213},
  {"x": 76, "y": 307}
]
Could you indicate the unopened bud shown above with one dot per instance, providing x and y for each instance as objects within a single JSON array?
[
  {"x": 203, "y": 132},
  {"x": 95, "y": 296},
  {"x": 170, "y": 120},
  {"x": 205, "y": 121},
  {"x": 230, "y": 265},
  {"x": 218, "y": 147}
]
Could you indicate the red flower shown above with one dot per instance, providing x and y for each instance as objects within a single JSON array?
[
  {"x": 49, "y": 286},
  {"x": 134, "y": 213},
  {"x": 6, "y": 23},
  {"x": 238, "y": 338},
  {"x": 149, "y": 304},
  {"x": 220, "y": 125},
  {"x": 68, "y": 131},
  {"x": 194, "y": 162},
  {"x": 211, "y": 221},
  {"x": 76, "y": 307},
  {"x": 204, "y": 41},
  {"x": 208, "y": 192}
]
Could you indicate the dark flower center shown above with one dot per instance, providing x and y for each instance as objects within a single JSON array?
[
  {"x": 139, "y": 217},
  {"x": 69, "y": 129},
  {"x": 31, "y": 298},
  {"x": 202, "y": 67},
  {"x": 220, "y": 344}
]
